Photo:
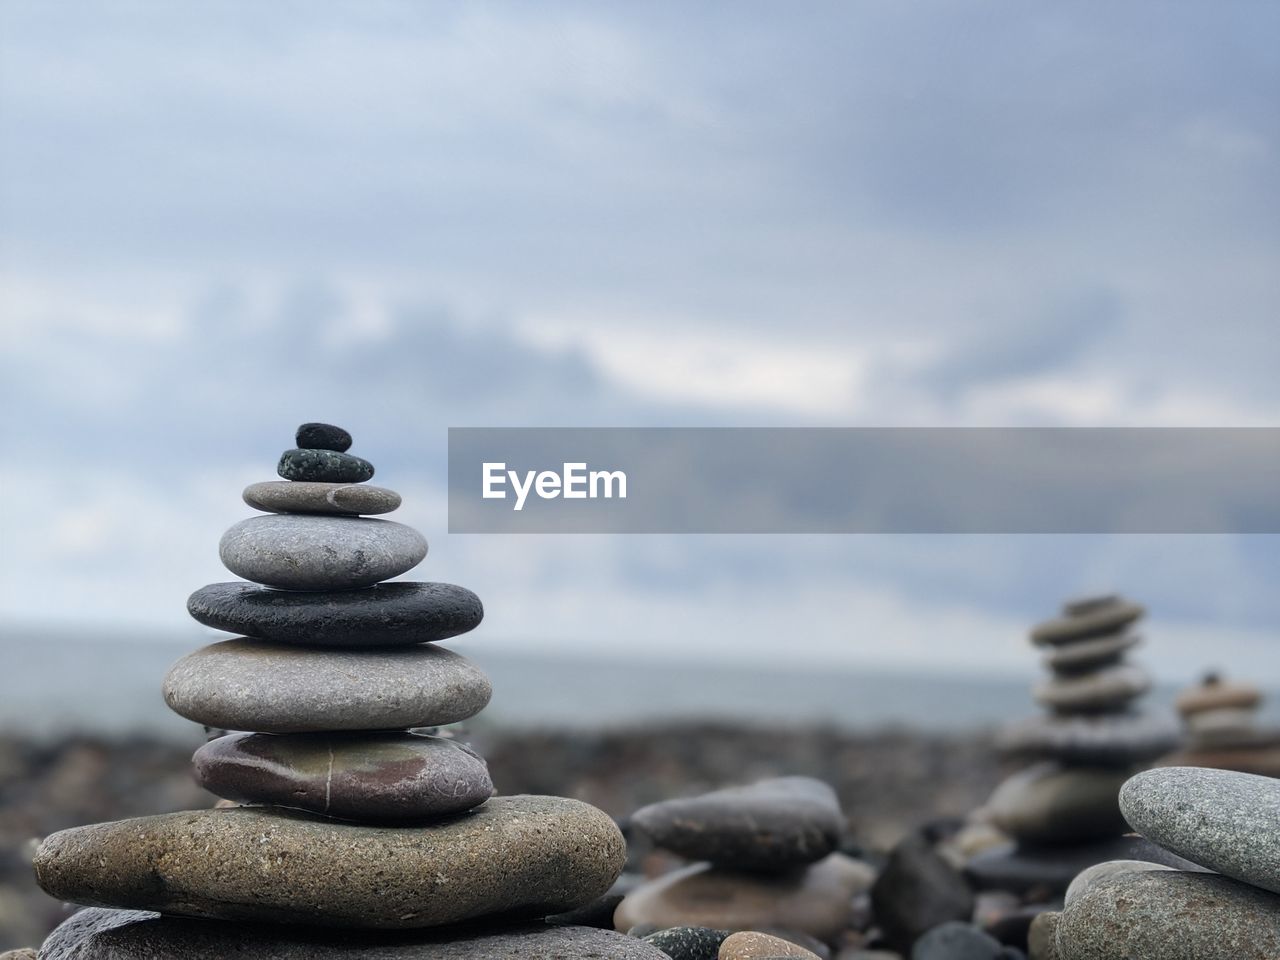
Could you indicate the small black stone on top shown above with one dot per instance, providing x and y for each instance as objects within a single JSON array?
[{"x": 323, "y": 436}]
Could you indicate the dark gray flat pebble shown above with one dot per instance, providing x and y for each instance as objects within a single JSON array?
[
  {"x": 325, "y": 466},
  {"x": 322, "y": 436}
]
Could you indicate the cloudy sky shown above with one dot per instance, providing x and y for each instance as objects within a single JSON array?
[{"x": 218, "y": 220}]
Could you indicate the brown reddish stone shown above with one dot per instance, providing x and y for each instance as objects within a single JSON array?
[{"x": 383, "y": 777}]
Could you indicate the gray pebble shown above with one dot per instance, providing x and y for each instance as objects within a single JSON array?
[{"x": 300, "y": 496}]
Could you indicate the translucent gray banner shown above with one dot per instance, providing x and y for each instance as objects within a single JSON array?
[{"x": 864, "y": 480}]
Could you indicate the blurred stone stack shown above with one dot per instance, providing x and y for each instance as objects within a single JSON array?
[
  {"x": 1063, "y": 812},
  {"x": 353, "y": 824},
  {"x": 1218, "y": 897},
  {"x": 1221, "y": 719},
  {"x": 766, "y": 861}
]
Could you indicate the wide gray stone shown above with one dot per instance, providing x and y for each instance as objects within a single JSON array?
[
  {"x": 1049, "y": 804},
  {"x": 380, "y": 776},
  {"x": 1119, "y": 739},
  {"x": 98, "y": 934},
  {"x": 295, "y": 552},
  {"x": 1107, "y": 690},
  {"x": 1168, "y": 915},
  {"x": 1095, "y": 619},
  {"x": 385, "y": 615},
  {"x": 1084, "y": 655},
  {"x": 299, "y": 496},
  {"x": 770, "y": 825},
  {"x": 1220, "y": 819},
  {"x": 255, "y": 685},
  {"x": 518, "y": 856}
]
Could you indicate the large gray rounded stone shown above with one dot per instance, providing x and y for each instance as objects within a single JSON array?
[
  {"x": 255, "y": 685},
  {"x": 1086, "y": 880},
  {"x": 379, "y": 776},
  {"x": 1220, "y": 819},
  {"x": 1168, "y": 915},
  {"x": 295, "y": 552},
  {"x": 98, "y": 934},
  {"x": 299, "y": 496},
  {"x": 520, "y": 856},
  {"x": 770, "y": 825}
]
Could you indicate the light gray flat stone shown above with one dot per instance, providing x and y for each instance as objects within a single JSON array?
[
  {"x": 1220, "y": 819},
  {"x": 522, "y": 856},
  {"x": 265, "y": 687},
  {"x": 1090, "y": 877},
  {"x": 301, "y": 496},
  {"x": 296, "y": 552},
  {"x": 1092, "y": 619},
  {"x": 1084, "y": 655},
  {"x": 1108, "y": 689}
]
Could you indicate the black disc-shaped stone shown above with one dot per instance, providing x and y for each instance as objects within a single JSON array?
[
  {"x": 323, "y": 436},
  {"x": 389, "y": 614},
  {"x": 324, "y": 466}
]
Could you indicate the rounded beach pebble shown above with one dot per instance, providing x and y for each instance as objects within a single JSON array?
[{"x": 518, "y": 856}]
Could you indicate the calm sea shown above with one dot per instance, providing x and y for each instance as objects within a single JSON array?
[{"x": 54, "y": 682}]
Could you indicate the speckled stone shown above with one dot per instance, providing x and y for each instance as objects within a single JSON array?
[
  {"x": 374, "y": 777},
  {"x": 294, "y": 552},
  {"x": 1107, "y": 739},
  {"x": 751, "y": 945},
  {"x": 520, "y": 856},
  {"x": 1106, "y": 690},
  {"x": 1085, "y": 655},
  {"x": 1220, "y": 819},
  {"x": 770, "y": 825},
  {"x": 97, "y": 934},
  {"x": 1101, "y": 872},
  {"x": 1168, "y": 915},
  {"x": 1042, "y": 938},
  {"x": 299, "y": 496},
  {"x": 389, "y": 614},
  {"x": 1050, "y": 804},
  {"x": 1095, "y": 621},
  {"x": 324, "y": 466},
  {"x": 688, "y": 943},
  {"x": 23, "y": 953},
  {"x": 815, "y": 900},
  {"x": 956, "y": 941},
  {"x": 322, "y": 436},
  {"x": 254, "y": 685}
]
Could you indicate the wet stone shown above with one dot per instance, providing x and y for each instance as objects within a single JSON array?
[
  {"x": 519, "y": 856},
  {"x": 322, "y": 436},
  {"x": 254, "y": 685},
  {"x": 369, "y": 777},
  {"x": 98, "y": 934},
  {"x": 294, "y": 552},
  {"x": 389, "y": 614},
  {"x": 324, "y": 466},
  {"x": 688, "y": 943},
  {"x": 771, "y": 825},
  {"x": 300, "y": 496}
]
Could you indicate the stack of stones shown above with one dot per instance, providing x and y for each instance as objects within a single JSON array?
[
  {"x": 1221, "y": 719},
  {"x": 1220, "y": 902},
  {"x": 344, "y": 831},
  {"x": 1063, "y": 812},
  {"x": 766, "y": 861}
]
